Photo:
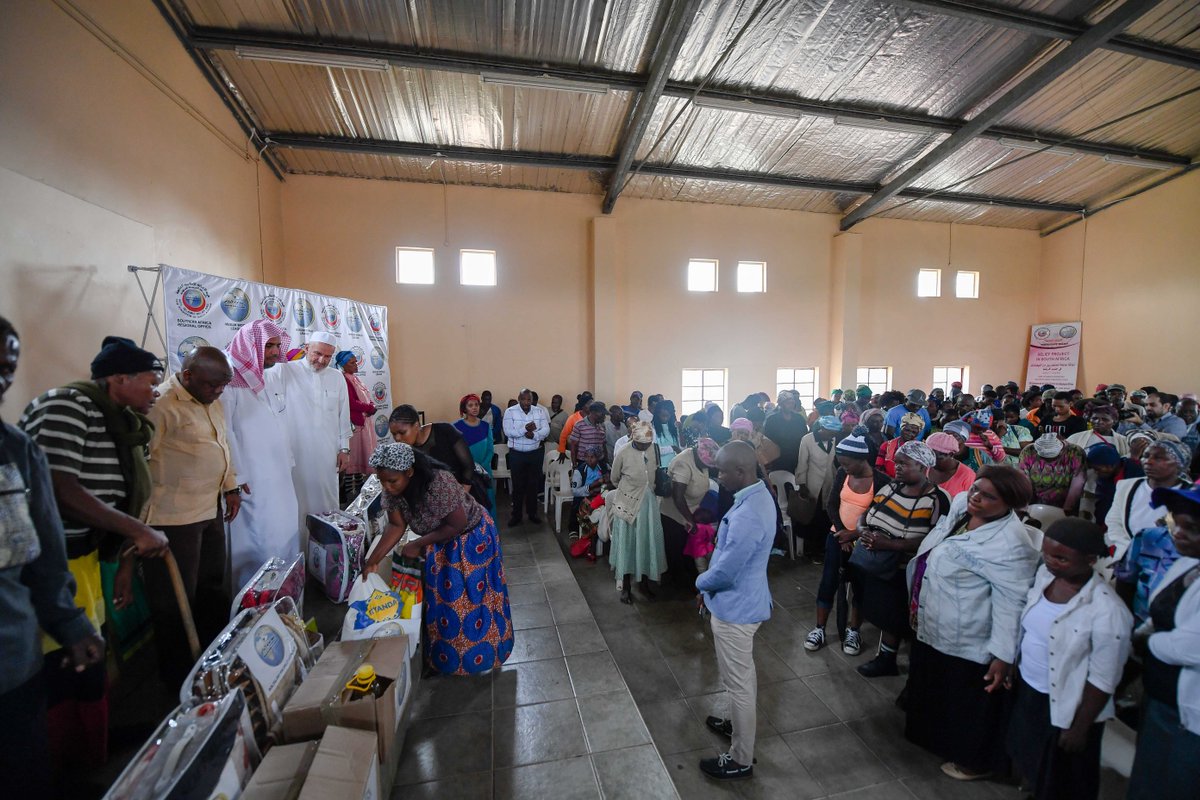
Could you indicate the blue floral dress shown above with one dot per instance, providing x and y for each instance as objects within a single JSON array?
[{"x": 468, "y": 620}]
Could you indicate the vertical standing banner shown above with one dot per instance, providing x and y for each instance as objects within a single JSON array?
[
  {"x": 1054, "y": 354},
  {"x": 202, "y": 309}
]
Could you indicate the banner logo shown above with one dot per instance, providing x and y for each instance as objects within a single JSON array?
[
  {"x": 303, "y": 311},
  {"x": 269, "y": 645},
  {"x": 330, "y": 317},
  {"x": 1042, "y": 333},
  {"x": 1068, "y": 331},
  {"x": 272, "y": 308},
  {"x": 353, "y": 319},
  {"x": 189, "y": 344},
  {"x": 236, "y": 305},
  {"x": 379, "y": 391},
  {"x": 375, "y": 323},
  {"x": 377, "y": 359},
  {"x": 360, "y": 355},
  {"x": 381, "y": 425},
  {"x": 192, "y": 300}
]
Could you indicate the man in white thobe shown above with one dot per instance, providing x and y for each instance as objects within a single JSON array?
[
  {"x": 255, "y": 428},
  {"x": 318, "y": 423}
]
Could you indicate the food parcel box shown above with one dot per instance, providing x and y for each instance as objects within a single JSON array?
[
  {"x": 322, "y": 700},
  {"x": 344, "y": 768},
  {"x": 281, "y": 774}
]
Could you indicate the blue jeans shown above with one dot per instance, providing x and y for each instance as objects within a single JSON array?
[{"x": 837, "y": 563}]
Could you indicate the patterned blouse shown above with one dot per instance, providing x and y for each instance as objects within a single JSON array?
[
  {"x": 443, "y": 497},
  {"x": 1052, "y": 477}
]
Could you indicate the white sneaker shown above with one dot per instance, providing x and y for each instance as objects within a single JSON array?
[
  {"x": 852, "y": 644},
  {"x": 815, "y": 639}
]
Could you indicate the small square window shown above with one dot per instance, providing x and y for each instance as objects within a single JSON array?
[
  {"x": 803, "y": 381},
  {"x": 929, "y": 283},
  {"x": 414, "y": 265},
  {"x": 702, "y": 386},
  {"x": 878, "y": 378},
  {"x": 477, "y": 267},
  {"x": 702, "y": 275},
  {"x": 752, "y": 276},
  {"x": 966, "y": 284},
  {"x": 944, "y": 376}
]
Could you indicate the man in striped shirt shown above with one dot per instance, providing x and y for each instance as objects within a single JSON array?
[
  {"x": 94, "y": 434},
  {"x": 588, "y": 432}
]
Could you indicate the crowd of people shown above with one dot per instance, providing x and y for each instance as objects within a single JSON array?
[{"x": 1022, "y": 545}]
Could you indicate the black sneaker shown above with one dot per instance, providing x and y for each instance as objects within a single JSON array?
[
  {"x": 879, "y": 666},
  {"x": 721, "y": 726},
  {"x": 724, "y": 768}
]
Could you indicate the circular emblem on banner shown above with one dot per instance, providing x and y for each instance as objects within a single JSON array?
[
  {"x": 379, "y": 392},
  {"x": 303, "y": 311},
  {"x": 353, "y": 319},
  {"x": 272, "y": 308},
  {"x": 189, "y": 344},
  {"x": 381, "y": 425},
  {"x": 192, "y": 300},
  {"x": 1068, "y": 331},
  {"x": 1041, "y": 333},
  {"x": 375, "y": 323},
  {"x": 360, "y": 355},
  {"x": 330, "y": 317},
  {"x": 269, "y": 645},
  {"x": 236, "y": 305},
  {"x": 377, "y": 359}
]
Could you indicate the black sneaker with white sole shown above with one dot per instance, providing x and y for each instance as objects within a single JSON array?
[
  {"x": 721, "y": 726},
  {"x": 724, "y": 768}
]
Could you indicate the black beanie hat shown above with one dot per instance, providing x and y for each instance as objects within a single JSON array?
[{"x": 120, "y": 356}]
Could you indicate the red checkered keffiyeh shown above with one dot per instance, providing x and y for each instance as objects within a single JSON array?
[{"x": 247, "y": 349}]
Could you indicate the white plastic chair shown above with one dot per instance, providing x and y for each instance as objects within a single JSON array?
[
  {"x": 501, "y": 472},
  {"x": 1046, "y": 515},
  {"x": 562, "y": 492},
  {"x": 548, "y": 477},
  {"x": 780, "y": 481}
]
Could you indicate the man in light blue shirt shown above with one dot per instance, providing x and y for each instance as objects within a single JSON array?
[
  {"x": 914, "y": 403},
  {"x": 734, "y": 588}
]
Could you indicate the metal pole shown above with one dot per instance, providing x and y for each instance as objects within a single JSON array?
[{"x": 149, "y": 301}]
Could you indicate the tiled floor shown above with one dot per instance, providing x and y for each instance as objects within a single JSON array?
[{"x": 562, "y": 719}]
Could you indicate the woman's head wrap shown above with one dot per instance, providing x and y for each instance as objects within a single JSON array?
[
  {"x": 1048, "y": 445},
  {"x": 958, "y": 428},
  {"x": 850, "y": 415},
  {"x": 830, "y": 423},
  {"x": 919, "y": 452},
  {"x": 943, "y": 443},
  {"x": 1177, "y": 452},
  {"x": 706, "y": 451},
  {"x": 1103, "y": 455},
  {"x": 1147, "y": 435},
  {"x": 640, "y": 431},
  {"x": 853, "y": 446},
  {"x": 1078, "y": 534},
  {"x": 913, "y": 419},
  {"x": 873, "y": 412},
  {"x": 824, "y": 407},
  {"x": 785, "y": 393},
  {"x": 396, "y": 456},
  {"x": 863, "y": 392},
  {"x": 342, "y": 357},
  {"x": 980, "y": 416},
  {"x": 741, "y": 424}
]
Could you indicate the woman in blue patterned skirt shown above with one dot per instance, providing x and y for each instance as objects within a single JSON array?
[{"x": 467, "y": 617}]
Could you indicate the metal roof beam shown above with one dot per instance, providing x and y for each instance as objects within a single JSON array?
[
  {"x": 219, "y": 39},
  {"x": 1056, "y": 28},
  {"x": 670, "y": 41},
  {"x": 1031, "y": 84},
  {"x": 379, "y": 147}
]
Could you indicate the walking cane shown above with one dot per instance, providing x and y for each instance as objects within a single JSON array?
[{"x": 181, "y": 599}]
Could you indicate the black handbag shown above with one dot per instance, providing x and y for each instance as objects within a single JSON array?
[
  {"x": 662, "y": 481},
  {"x": 880, "y": 564}
]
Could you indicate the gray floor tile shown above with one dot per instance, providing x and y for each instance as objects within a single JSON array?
[
  {"x": 778, "y": 773},
  {"x": 535, "y": 644},
  {"x": 884, "y": 735},
  {"x": 555, "y": 571},
  {"x": 717, "y": 705},
  {"x": 804, "y": 662},
  {"x": 670, "y": 612},
  {"x": 476, "y": 786},
  {"x": 531, "y": 682},
  {"x": 782, "y": 626},
  {"x": 611, "y": 721},
  {"x": 691, "y": 783},
  {"x": 594, "y": 673},
  {"x": 632, "y": 644},
  {"x": 674, "y": 728},
  {"x": 769, "y": 666},
  {"x": 535, "y": 615},
  {"x": 634, "y": 774},
  {"x": 563, "y": 590},
  {"x": 847, "y": 694},
  {"x": 570, "y": 779},
  {"x": 693, "y": 636},
  {"x": 543, "y": 732},
  {"x": 581, "y": 637},
  {"x": 520, "y": 558},
  {"x": 518, "y": 575},
  {"x": 792, "y": 706},
  {"x": 446, "y": 695},
  {"x": 837, "y": 758},
  {"x": 523, "y": 594},
  {"x": 649, "y": 680},
  {"x": 617, "y": 617},
  {"x": 568, "y": 611},
  {"x": 941, "y": 787},
  {"x": 892, "y": 790},
  {"x": 446, "y": 746},
  {"x": 696, "y": 673}
]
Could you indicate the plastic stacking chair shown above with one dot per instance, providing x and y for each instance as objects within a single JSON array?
[
  {"x": 548, "y": 478},
  {"x": 562, "y": 492},
  {"x": 501, "y": 472},
  {"x": 781, "y": 480}
]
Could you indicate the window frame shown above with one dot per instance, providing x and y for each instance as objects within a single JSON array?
[
  {"x": 762, "y": 277},
  {"x": 474, "y": 251},
  {"x": 974, "y": 284},
  {"x": 860, "y": 381},
  {"x": 716, "y": 274},
  {"x": 693, "y": 406},
  {"x": 806, "y": 400},
  {"x": 964, "y": 375},
  {"x": 937, "y": 285},
  {"x": 432, "y": 266}
]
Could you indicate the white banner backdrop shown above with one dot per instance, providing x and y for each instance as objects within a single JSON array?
[
  {"x": 1054, "y": 354},
  {"x": 202, "y": 309}
]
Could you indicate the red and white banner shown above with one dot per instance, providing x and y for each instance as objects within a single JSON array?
[{"x": 1054, "y": 354}]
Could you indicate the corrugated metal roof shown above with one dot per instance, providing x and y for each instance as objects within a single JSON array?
[{"x": 866, "y": 54}]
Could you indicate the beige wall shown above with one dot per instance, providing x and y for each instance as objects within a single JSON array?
[
  {"x": 1132, "y": 275},
  {"x": 113, "y": 151}
]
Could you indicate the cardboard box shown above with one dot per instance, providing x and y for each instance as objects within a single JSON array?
[
  {"x": 318, "y": 702},
  {"x": 282, "y": 772},
  {"x": 344, "y": 768}
]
